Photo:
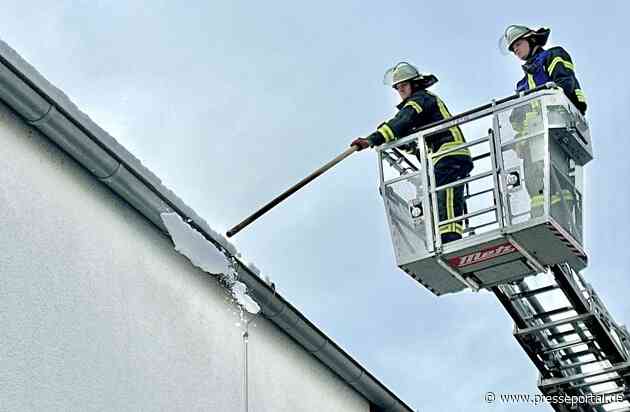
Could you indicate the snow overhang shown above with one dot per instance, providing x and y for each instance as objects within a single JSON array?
[{"x": 50, "y": 111}]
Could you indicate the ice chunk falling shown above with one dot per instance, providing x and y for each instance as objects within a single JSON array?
[{"x": 190, "y": 243}]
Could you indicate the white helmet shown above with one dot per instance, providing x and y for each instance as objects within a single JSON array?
[
  {"x": 403, "y": 72},
  {"x": 515, "y": 32}
]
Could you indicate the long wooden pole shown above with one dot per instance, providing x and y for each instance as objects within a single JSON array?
[{"x": 290, "y": 191}]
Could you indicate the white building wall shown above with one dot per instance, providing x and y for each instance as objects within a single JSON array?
[{"x": 99, "y": 312}]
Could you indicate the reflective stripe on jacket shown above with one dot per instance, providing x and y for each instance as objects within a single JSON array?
[
  {"x": 418, "y": 110},
  {"x": 553, "y": 65}
]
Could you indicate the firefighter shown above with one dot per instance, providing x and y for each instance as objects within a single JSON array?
[
  {"x": 419, "y": 107},
  {"x": 541, "y": 66}
]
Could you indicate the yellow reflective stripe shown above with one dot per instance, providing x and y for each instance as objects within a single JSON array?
[
  {"x": 455, "y": 227},
  {"x": 414, "y": 105},
  {"x": 580, "y": 95},
  {"x": 387, "y": 132},
  {"x": 452, "y": 228},
  {"x": 557, "y": 60},
  {"x": 463, "y": 152},
  {"x": 458, "y": 136},
  {"x": 532, "y": 116},
  {"x": 450, "y": 210},
  {"x": 567, "y": 195},
  {"x": 537, "y": 201},
  {"x": 450, "y": 145},
  {"x": 530, "y": 81}
]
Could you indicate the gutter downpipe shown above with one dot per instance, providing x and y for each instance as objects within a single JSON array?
[
  {"x": 245, "y": 368},
  {"x": 46, "y": 108}
]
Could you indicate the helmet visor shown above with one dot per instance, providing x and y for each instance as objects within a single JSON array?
[
  {"x": 388, "y": 78},
  {"x": 504, "y": 47}
]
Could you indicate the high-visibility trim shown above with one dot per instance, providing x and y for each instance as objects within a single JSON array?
[
  {"x": 452, "y": 228},
  {"x": 533, "y": 116},
  {"x": 556, "y": 60},
  {"x": 534, "y": 113},
  {"x": 414, "y": 105},
  {"x": 458, "y": 228},
  {"x": 537, "y": 201},
  {"x": 450, "y": 145},
  {"x": 458, "y": 136},
  {"x": 450, "y": 209},
  {"x": 387, "y": 132},
  {"x": 463, "y": 152},
  {"x": 530, "y": 81},
  {"x": 580, "y": 95},
  {"x": 566, "y": 195}
]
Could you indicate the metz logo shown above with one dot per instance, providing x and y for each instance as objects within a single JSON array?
[{"x": 482, "y": 255}]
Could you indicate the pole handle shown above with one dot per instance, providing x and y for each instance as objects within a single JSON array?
[{"x": 291, "y": 190}]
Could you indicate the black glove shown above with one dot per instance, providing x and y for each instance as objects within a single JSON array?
[{"x": 411, "y": 147}]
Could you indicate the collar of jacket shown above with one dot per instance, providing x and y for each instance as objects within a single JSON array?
[
  {"x": 418, "y": 92},
  {"x": 532, "y": 63}
]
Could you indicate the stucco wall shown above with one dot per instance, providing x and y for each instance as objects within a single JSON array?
[{"x": 99, "y": 312}]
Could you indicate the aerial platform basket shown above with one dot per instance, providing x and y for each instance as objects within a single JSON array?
[{"x": 524, "y": 195}]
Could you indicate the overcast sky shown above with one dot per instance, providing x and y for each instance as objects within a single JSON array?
[{"x": 232, "y": 102}]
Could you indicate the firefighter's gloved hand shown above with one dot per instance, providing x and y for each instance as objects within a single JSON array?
[
  {"x": 361, "y": 143},
  {"x": 411, "y": 147}
]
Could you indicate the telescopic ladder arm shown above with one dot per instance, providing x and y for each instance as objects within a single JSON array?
[{"x": 569, "y": 335}]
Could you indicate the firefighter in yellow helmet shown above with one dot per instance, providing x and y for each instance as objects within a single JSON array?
[{"x": 420, "y": 107}]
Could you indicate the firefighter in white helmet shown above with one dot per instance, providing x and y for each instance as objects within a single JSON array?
[
  {"x": 541, "y": 66},
  {"x": 419, "y": 107}
]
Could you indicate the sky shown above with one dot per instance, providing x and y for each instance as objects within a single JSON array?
[{"x": 230, "y": 103}]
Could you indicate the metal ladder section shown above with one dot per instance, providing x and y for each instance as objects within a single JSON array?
[
  {"x": 399, "y": 161},
  {"x": 568, "y": 334}
]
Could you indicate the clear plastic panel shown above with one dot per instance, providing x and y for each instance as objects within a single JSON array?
[
  {"x": 522, "y": 137},
  {"x": 569, "y": 129},
  {"x": 565, "y": 202},
  {"x": 521, "y": 121},
  {"x": 565, "y": 194},
  {"x": 406, "y": 206},
  {"x": 558, "y": 115},
  {"x": 561, "y": 113}
]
